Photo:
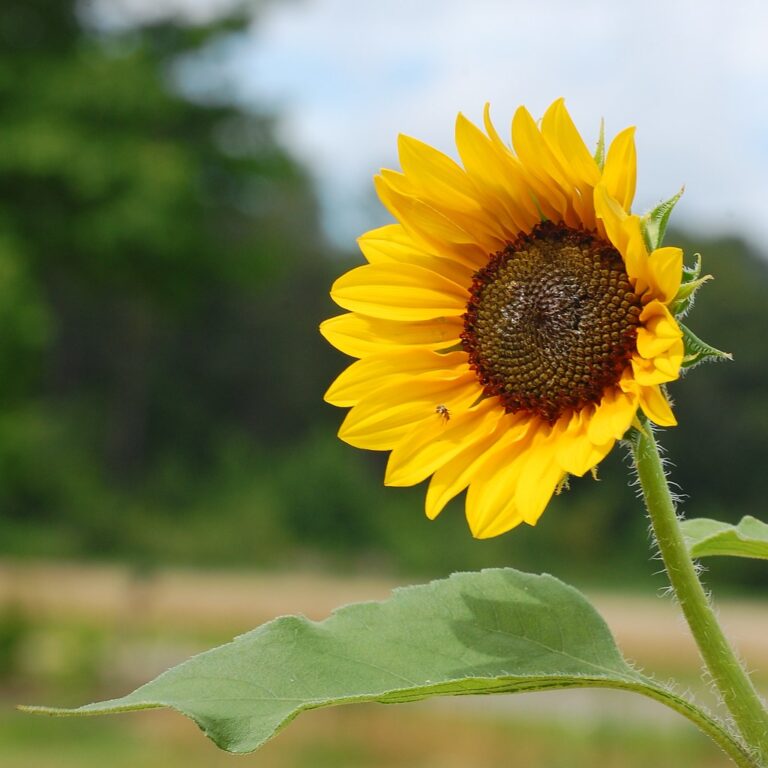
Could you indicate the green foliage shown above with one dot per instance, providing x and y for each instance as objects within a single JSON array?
[
  {"x": 497, "y": 631},
  {"x": 24, "y": 318},
  {"x": 14, "y": 637},
  {"x": 160, "y": 274},
  {"x": 711, "y": 537}
]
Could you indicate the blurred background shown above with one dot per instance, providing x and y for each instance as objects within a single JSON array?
[{"x": 180, "y": 183}]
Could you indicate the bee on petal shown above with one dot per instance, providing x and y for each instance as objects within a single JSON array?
[{"x": 443, "y": 412}]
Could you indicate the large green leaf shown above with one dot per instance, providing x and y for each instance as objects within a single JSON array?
[
  {"x": 705, "y": 537},
  {"x": 497, "y": 631}
]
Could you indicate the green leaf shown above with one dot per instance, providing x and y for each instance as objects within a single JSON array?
[
  {"x": 655, "y": 222},
  {"x": 497, "y": 631},
  {"x": 698, "y": 351},
  {"x": 705, "y": 537}
]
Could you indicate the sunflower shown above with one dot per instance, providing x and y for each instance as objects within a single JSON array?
[{"x": 511, "y": 323}]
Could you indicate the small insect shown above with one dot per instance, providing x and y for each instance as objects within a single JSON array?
[{"x": 443, "y": 412}]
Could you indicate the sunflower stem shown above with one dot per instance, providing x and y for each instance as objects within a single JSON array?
[{"x": 729, "y": 675}]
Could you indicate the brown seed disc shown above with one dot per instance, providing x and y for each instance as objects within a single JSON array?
[{"x": 551, "y": 321}]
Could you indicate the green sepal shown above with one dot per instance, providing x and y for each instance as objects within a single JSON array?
[
  {"x": 600, "y": 148},
  {"x": 691, "y": 282},
  {"x": 692, "y": 273},
  {"x": 704, "y": 537},
  {"x": 654, "y": 223},
  {"x": 698, "y": 351}
]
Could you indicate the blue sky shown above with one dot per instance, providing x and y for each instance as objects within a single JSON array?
[{"x": 346, "y": 76}]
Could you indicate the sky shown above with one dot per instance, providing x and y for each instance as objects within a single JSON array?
[{"x": 346, "y": 76}]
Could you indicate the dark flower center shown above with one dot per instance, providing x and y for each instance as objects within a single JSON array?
[{"x": 551, "y": 321}]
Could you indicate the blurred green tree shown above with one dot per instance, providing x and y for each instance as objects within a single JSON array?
[{"x": 146, "y": 242}]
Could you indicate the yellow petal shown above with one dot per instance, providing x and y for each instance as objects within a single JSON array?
[
  {"x": 534, "y": 152},
  {"x": 669, "y": 361},
  {"x": 399, "y": 292},
  {"x": 491, "y": 498},
  {"x": 374, "y": 371},
  {"x": 507, "y": 518},
  {"x": 479, "y": 224},
  {"x": 538, "y": 159},
  {"x": 454, "y": 476},
  {"x": 515, "y": 484},
  {"x": 612, "y": 216},
  {"x": 383, "y": 418},
  {"x": 660, "y": 369},
  {"x": 564, "y": 139},
  {"x": 576, "y": 453},
  {"x": 649, "y": 345},
  {"x": 436, "y": 175},
  {"x": 389, "y": 243},
  {"x": 665, "y": 270},
  {"x": 620, "y": 171},
  {"x": 659, "y": 331},
  {"x": 439, "y": 440},
  {"x": 416, "y": 215},
  {"x": 497, "y": 177},
  {"x": 612, "y": 417},
  {"x": 430, "y": 226},
  {"x": 357, "y": 335},
  {"x": 656, "y": 407},
  {"x": 493, "y": 134},
  {"x": 539, "y": 476},
  {"x": 576, "y": 161},
  {"x": 635, "y": 254},
  {"x": 542, "y": 199},
  {"x": 393, "y": 244}
]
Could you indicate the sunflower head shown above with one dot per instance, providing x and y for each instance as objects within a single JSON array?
[{"x": 512, "y": 322}]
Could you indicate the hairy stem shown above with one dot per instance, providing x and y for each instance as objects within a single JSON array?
[{"x": 728, "y": 674}]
